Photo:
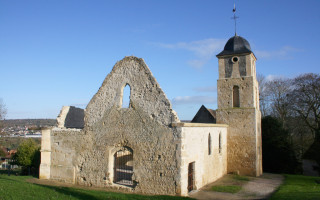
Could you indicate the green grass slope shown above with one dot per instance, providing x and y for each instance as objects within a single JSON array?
[
  {"x": 16, "y": 187},
  {"x": 298, "y": 187}
]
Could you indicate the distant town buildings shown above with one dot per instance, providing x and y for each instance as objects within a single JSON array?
[
  {"x": 5, "y": 160},
  {"x": 21, "y": 131}
]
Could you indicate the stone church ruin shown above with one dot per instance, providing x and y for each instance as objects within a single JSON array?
[{"x": 144, "y": 147}]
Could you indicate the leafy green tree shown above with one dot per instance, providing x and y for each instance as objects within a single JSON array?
[
  {"x": 2, "y": 153},
  {"x": 277, "y": 152},
  {"x": 28, "y": 156}
]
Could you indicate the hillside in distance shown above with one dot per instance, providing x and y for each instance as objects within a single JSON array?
[{"x": 28, "y": 122}]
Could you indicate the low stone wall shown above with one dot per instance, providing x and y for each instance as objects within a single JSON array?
[
  {"x": 65, "y": 145},
  {"x": 59, "y": 152}
]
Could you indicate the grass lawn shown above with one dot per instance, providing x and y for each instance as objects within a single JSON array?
[
  {"x": 226, "y": 188},
  {"x": 231, "y": 184},
  {"x": 16, "y": 187},
  {"x": 298, "y": 187},
  {"x": 241, "y": 178}
]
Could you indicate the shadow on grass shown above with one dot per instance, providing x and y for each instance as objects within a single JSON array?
[
  {"x": 8, "y": 179},
  {"x": 101, "y": 195},
  {"x": 18, "y": 172},
  {"x": 12, "y": 172},
  {"x": 70, "y": 192}
]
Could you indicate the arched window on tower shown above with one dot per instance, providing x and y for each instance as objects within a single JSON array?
[
  {"x": 126, "y": 96},
  {"x": 236, "y": 97},
  {"x": 209, "y": 144}
]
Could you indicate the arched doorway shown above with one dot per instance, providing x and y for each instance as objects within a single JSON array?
[{"x": 123, "y": 167}]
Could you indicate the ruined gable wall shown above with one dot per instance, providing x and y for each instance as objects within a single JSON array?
[
  {"x": 145, "y": 93},
  {"x": 144, "y": 127}
]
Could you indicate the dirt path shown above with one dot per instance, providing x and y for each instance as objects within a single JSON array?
[{"x": 256, "y": 188}]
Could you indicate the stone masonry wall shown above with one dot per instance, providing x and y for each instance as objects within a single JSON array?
[
  {"x": 242, "y": 139},
  {"x": 225, "y": 86},
  {"x": 154, "y": 147},
  {"x": 65, "y": 145},
  {"x": 143, "y": 127}
]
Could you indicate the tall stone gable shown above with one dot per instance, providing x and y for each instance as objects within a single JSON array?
[
  {"x": 146, "y": 93},
  {"x": 238, "y": 106},
  {"x": 143, "y": 127}
]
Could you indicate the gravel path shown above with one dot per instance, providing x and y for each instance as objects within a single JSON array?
[{"x": 257, "y": 188}]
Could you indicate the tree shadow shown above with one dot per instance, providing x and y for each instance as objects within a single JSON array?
[
  {"x": 70, "y": 191},
  {"x": 9, "y": 172},
  {"x": 8, "y": 179}
]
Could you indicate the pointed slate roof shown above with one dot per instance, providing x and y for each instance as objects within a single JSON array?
[{"x": 204, "y": 115}]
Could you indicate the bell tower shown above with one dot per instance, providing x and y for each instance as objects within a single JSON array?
[{"x": 238, "y": 106}]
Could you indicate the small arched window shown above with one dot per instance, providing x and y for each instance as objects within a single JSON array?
[
  {"x": 236, "y": 97},
  {"x": 220, "y": 145},
  {"x": 126, "y": 96},
  {"x": 209, "y": 144}
]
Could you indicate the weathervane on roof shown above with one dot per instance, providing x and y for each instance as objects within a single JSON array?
[{"x": 235, "y": 18}]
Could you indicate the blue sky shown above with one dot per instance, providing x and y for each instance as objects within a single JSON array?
[{"x": 58, "y": 52}]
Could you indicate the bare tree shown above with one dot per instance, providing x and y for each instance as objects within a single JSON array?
[
  {"x": 263, "y": 97},
  {"x": 3, "y": 112},
  {"x": 277, "y": 92},
  {"x": 296, "y": 102},
  {"x": 305, "y": 101},
  {"x": 305, "y": 105}
]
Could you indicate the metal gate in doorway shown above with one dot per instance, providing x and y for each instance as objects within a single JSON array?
[{"x": 123, "y": 167}]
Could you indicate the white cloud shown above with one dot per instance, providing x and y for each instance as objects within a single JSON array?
[
  {"x": 283, "y": 53},
  {"x": 79, "y": 105},
  {"x": 196, "y": 63},
  {"x": 194, "y": 100},
  {"x": 209, "y": 89},
  {"x": 203, "y": 50},
  {"x": 272, "y": 77}
]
